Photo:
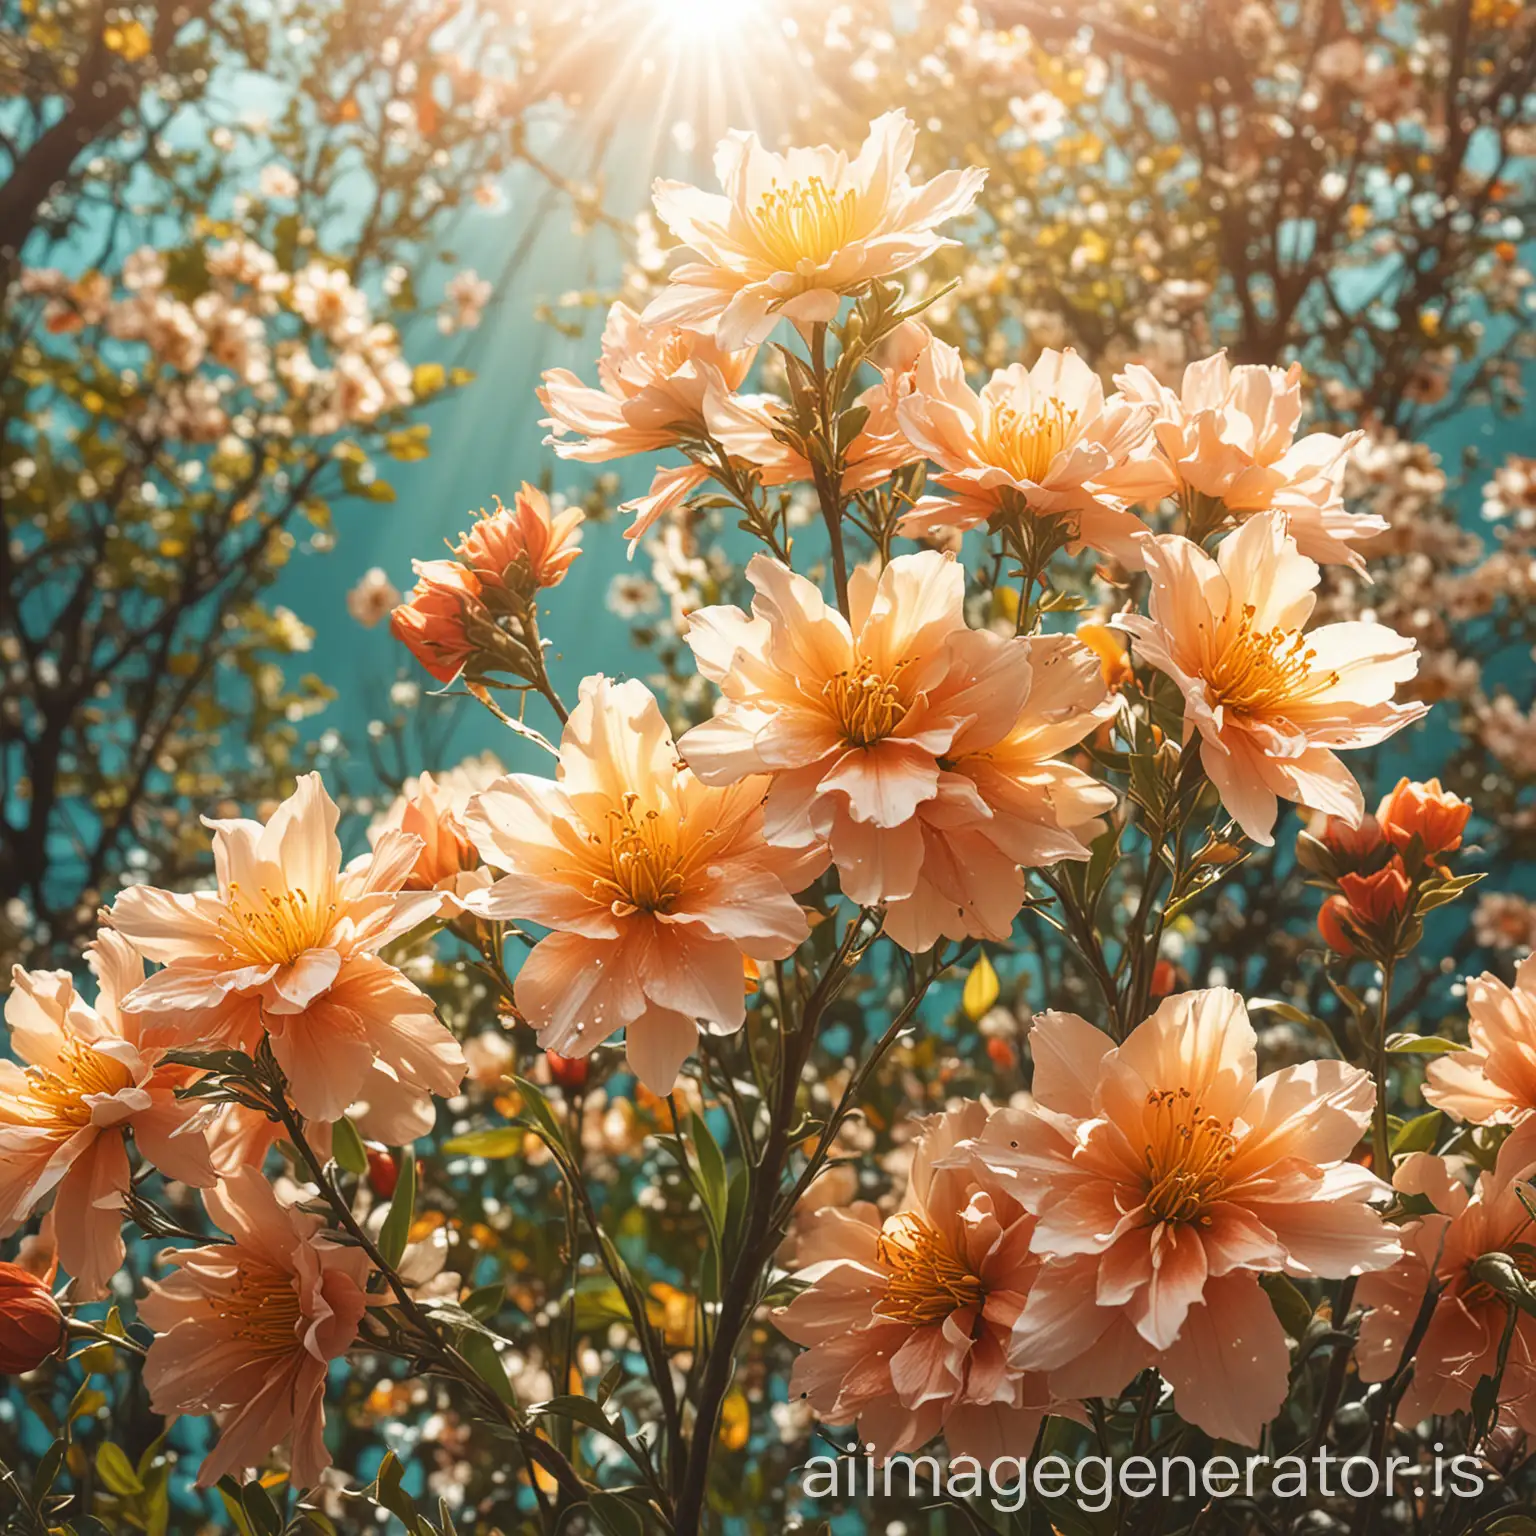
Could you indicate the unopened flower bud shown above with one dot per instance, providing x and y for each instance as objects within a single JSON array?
[{"x": 31, "y": 1324}]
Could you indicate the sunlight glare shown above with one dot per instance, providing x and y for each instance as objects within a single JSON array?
[{"x": 698, "y": 19}]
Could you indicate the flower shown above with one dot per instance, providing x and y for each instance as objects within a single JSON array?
[
  {"x": 1433, "y": 815},
  {"x": 522, "y": 548},
  {"x": 661, "y": 386},
  {"x": 908, "y": 1319},
  {"x": 433, "y": 809},
  {"x": 373, "y": 596},
  {"x": 288, "y": 944},
  {"x": 247, "y": 1329},
  {"x": 31, "y": 1324},
  {"x": 1165, "y": 1176},
  {"x": 90, "y": 1080},
  {"x": 433, "y": 622},
  {"x": 1460, "y": 1346},
  {"x": 464, "y": 299},
  {"x": 653, "y": 886},
  {"x": 1494, "y": 1081},
  {"x": 1040, "y": 440},
  {"x": 859, "y": 725},
  {"x": 1007, "y": 804},
  {"x": 794, "y": 233},
  {"x": 1269, "y": 703},
  {"x": 1229, "y": 436}
]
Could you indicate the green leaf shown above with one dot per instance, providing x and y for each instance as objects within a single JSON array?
[
  {"x": 713, "y": 1181},
  {"x": 538, "y": 1114},
  {"x": 485, "y": 1302},
  {"x": 387, "y": 1490},
  {"x": 116, "y": 1471},
  {"x": 347, "y": 1147},
  {"x": 48, "y": 1466},
  {"x": 397, "y": 1224},
  {"x": 479, "y": 1350},
  {"x": 1292, "y": 1308},
  {"x": 617, "y": 1516},
  {"x": 1418, "y": 1134},
  {"x": 498, "y": 1141},
  {"x": 1422, "y": 1045}
]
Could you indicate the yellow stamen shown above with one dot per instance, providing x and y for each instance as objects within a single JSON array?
[
  {"x": 262, "y": 1308},
  {"x": 55, "y": 1097},
  {"x": 646, "y": 867},
  {"x": 1026, "y": 445},
  {"x": 805, "y": 222},
  {"x": 1187, "y": 1153},
  {"x": 274, "y": 928},
  {"x": 867, "y": 706},
  {"x": 1259, "y": 671},
  {"x": 926, "y": 1282}
]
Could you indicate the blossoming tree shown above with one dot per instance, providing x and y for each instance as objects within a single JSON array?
[{"x": 659, "y": 997}]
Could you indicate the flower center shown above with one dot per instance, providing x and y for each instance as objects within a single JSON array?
[
  {"x": 645, "y": 869},
  {"x": 56, "y": 1096},
  {"x": 262, "y": 1308},
  {"x": 1261, "y": 670},
  {"x": 926, "y": 1282},
  {"x": 867, "y": 707},
  {"x": 1187, "y": 1155},
  {"x": 274, "y": 928},
  {"x": 804, "y": 222},
  {"x": 1026, "y": 445}
]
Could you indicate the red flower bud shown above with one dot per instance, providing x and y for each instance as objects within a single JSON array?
[
  {"x": 1377, "y": 899},
  {"x": 31, "y": 1325},
  {"x": 383, "y": 1170},
  {"x": 1437, "y": 817},
  {"x": 1330, "y": 924},
  {"x": 1351, "y": 845},
  {"x": 568, "y": 1071}
]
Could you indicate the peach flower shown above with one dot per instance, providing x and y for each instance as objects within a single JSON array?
[
  {"x": 1229, "y": 437},
  {"x": 1494, "y": 1082},
  {"x": 654, "y": 887},
  {"x": 524, "y": 547},
  {"x": 433, "y": 808},
  {"x": 908, "y": 1319},
  {"x": 858, "y": 725},
  {"x": 1007, "y": 803},
  {"x": 90, "y": 1082},
  {"x": 288, "y": 944},
  {"x": 1165, "y": 1177},
  {"x": 795, "y": 232},
  {"x": 433, "y": 622},
  {"x": 1040, "y": 440},
  {"x": 247, "y": 1330},
  {"x": 1269, "y": 703},
  {"x": 660, "y": 387},
  {"x": 1461, "y": 1344}
]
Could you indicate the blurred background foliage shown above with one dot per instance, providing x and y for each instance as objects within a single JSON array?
[{"x": 279, "y": 282}]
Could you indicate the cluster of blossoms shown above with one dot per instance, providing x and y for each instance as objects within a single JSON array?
[
  {"x": 871, "y": 766},
  {"x": 257, "y": 349}
]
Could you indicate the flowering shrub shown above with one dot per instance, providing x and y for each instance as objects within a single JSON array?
[{"x": 970, "y": 744}]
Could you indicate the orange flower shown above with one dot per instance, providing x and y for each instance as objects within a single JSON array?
[
  {"x": 653, "y": 886},
  {"x": 1494, "y": 1082},
  {"x": 793, "y": 233},
  {"x": 1375, "y": 900},
  {"x": 907, "y": 1319},
  {"x": 1426, "y": 811},
  {"x": 1271, "y": 702},
  {"x": 1354, "y": 845},
  {"x": 1333, "y": 920},
  {"x": 248, "y": 1329},
  {"x": 433, "y": 809},
  {"x": 432, "y": 622},
  {"x": 1166, "y": 1176},
  {"x": 1114, "y": 661},
  {"x": 31, "y": 1325},
  {"x": 1461, "y": 1345},
  {"x": 522, "y": 547}
]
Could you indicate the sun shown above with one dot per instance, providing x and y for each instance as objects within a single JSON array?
[{"x": 705, "y": 19}]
